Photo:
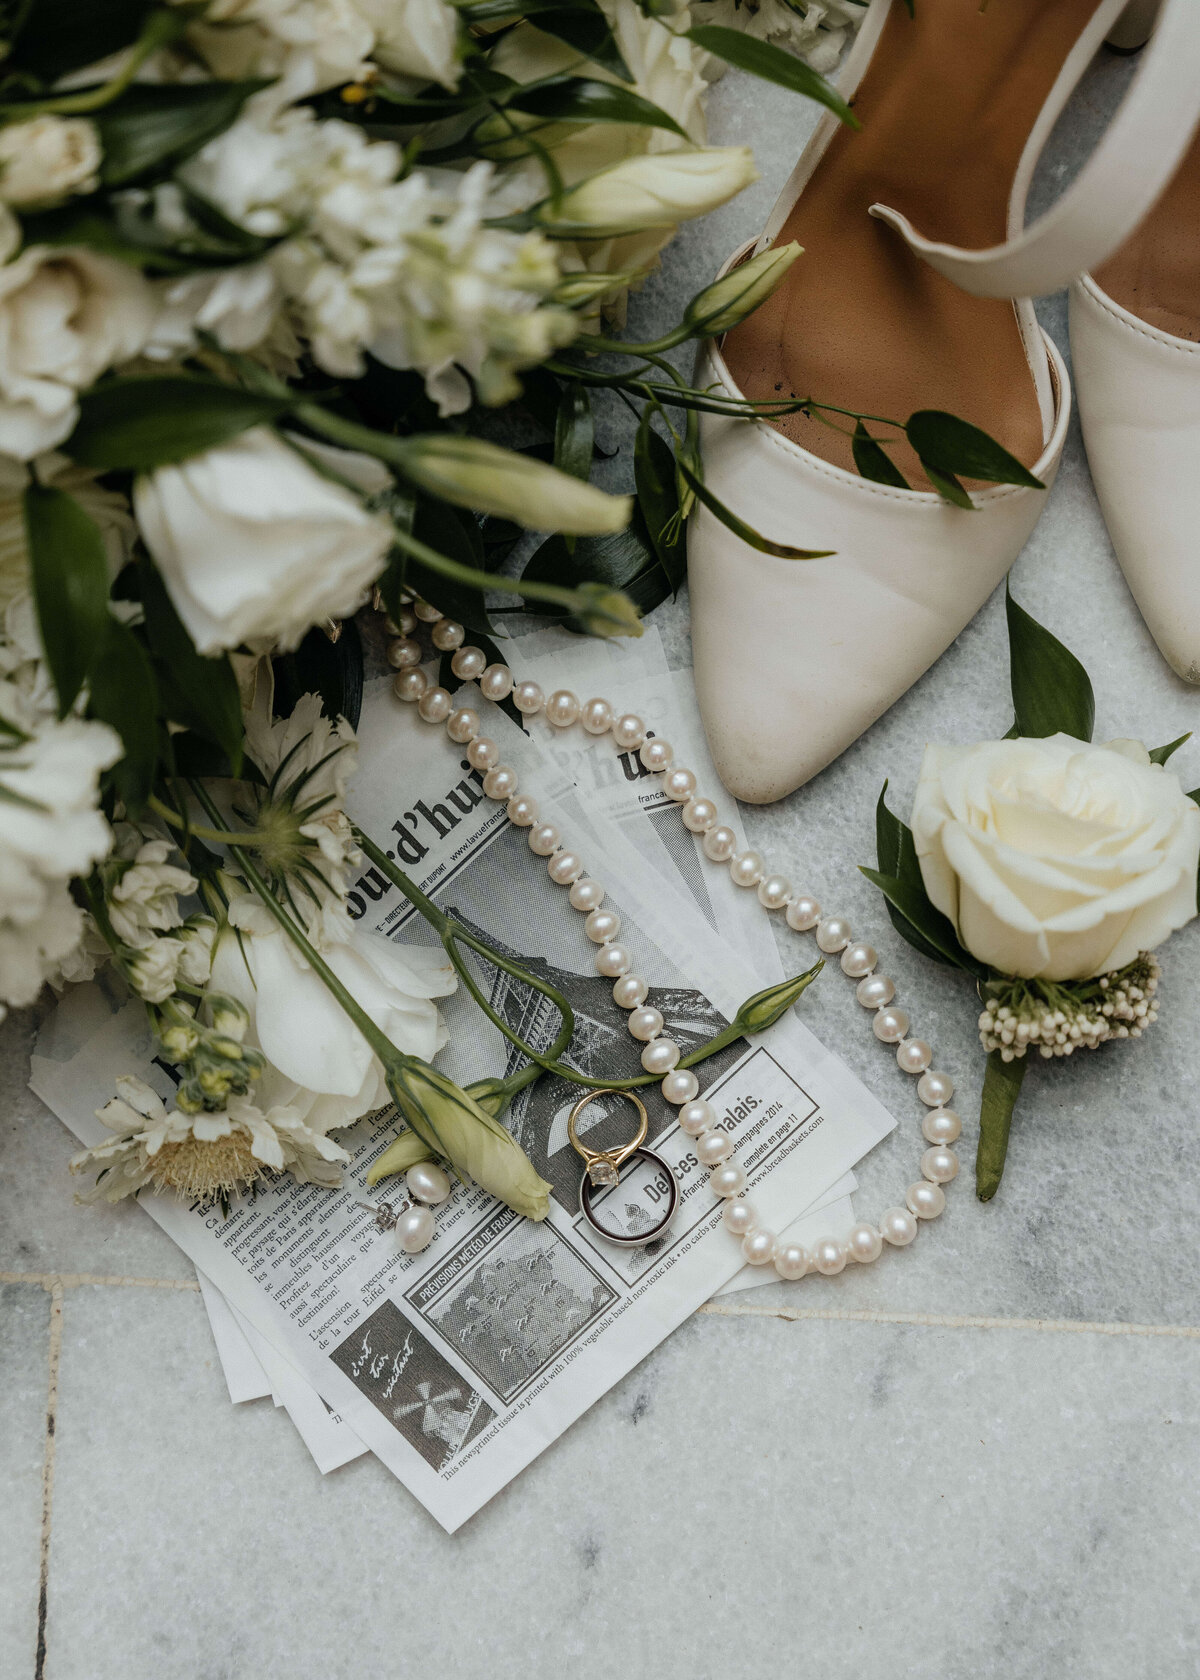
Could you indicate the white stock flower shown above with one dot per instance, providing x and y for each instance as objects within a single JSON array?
[
  {"x": 152, "y": 972},
  {"x": 255, "y": 545},
  {"x": 238, "y": 307},
  {"x": 417, "y": 39},
  {"x": 201, "y": 1155},
  {"x": 47, "y": 158},
  {"x": 50, "y": 830},
  {"x": 66, "y": 316},
  {"x": 144, "y": 889},
  {"x": 1053, "y": 858},
  {"x": 109, "y": 508}
]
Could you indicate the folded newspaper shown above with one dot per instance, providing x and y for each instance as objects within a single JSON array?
[{"x": 457, "y": 1366}]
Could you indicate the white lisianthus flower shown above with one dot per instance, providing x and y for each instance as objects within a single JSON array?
[
  {"x": 109, "y": 508},
  {"x": 1056, "y": 859},
  {"x": 48, "y": 158},
  {"x": 416, "y": 39},
  {"x": 143, "y": 889},
  {"x": 201, "y": 1155},
  {"x": 66, "y": 316},
  {"x": 51, "y": 831},
  {"x": 254, "y": 545},
  {"x": 652, "y": 192},
  {"x": 309, "y": 44},
  {"x": 815, "y": 29}
]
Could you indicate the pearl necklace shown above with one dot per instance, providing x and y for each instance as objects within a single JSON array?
[{"x": 924, "y": 1199}]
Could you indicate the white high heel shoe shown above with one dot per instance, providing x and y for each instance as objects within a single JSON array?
[{"x": 794, "y": 659}]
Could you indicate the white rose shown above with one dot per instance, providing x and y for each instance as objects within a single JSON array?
[
  {"x": 47, "y": 158},
  {"x": 1054, "y": 858},
  {"x": 66, "y": 315},
  {"x": 254, "y": 545},
  {"x": 416, "y": 38}
]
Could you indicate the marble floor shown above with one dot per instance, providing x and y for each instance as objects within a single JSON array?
[{"x": 979, "y": 1460}]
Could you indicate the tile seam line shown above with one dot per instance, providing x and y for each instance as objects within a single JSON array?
[
  {"x": 53, "y": 1363},
  {"x": 720, "y": 1309}
]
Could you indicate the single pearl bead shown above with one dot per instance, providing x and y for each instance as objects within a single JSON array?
[
  {"x": 935, "y": 1088},
  {"x": 803, "y": 913},
  {"x": 528, "y": 698},
  {"x": 699, "y": 815},
  {"x": 562, "y": 708},
  {"x": 463, "y": 725},
  {"x": 414, "y": 1230},
  {"x": 565, "y": 867},
  {"x": 483, "y": 754},
  {"x": 679, "y": 784},
  {"x": 410, "y": 685},
  {"x": 656, "y": 755},
  {"x": 830, "y": 1256},
  {"x": 697, "y": 1117},
  {"x": 738, "y": 1216},
  {"x": 523, "y": 810},
  {"x": 680, "y": 1086},
  {"x": 427, "y": 1182},
  {"x": 890, "y": 1025},
  {"x": 629, "y": 732},
  {"x": 774, "y": 891},
  {"x": 859, "y": 959},
  {"x": 601, "y": 926},
  {"x": 864, "y": 1244},
  {"x": 645, "y": 1024},
  {"x": 898, "y": 1227},
  {"x": 745, "y": 870},
  {"x": 426, "y": 613},
  {"x": 729, "y": 1179},
  {"x": 925, "y": 1200},
  {"x": 469, "y": 663},
  {"x": 660, "y": 1055},
  {"x": 543, "y": 839},
  {"x": 833, "y": 934},
  {"x": 758, "y": 1247},
  {"x": 435, "y": 705},
  {"x": 404, "y": 625},
  {"x": 403, "y": 652},
  {"x": 496, "y": 683},
  {"x": 447, "y": 635},
  {"x": 611, "y": 961},
  {"x": 720, "y": 843},
  {"x": 914, "y": 1055},
  {"x": 587, "y": 895},
  {"x": 791, "y": 1260},
  {"x": 501, "y": 782},
  {"x": 875, "y": 991},
  {"x": 939, "y": 1164},
  {"x": 629, "y": 991},
  {"x": 596, "y": 716},
  {"x": 714, "y": 1147},
  {"x": 942, "y": 1125}
]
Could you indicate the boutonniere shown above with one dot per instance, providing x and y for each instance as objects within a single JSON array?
[{"x": 1047, "y": 867}]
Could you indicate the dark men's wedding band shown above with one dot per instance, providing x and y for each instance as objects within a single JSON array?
[{"x": 640, "y": 1238}]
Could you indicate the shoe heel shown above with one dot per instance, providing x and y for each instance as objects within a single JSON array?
[{"x": 1134, "y": 27}]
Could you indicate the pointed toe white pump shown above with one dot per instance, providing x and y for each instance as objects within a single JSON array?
[{"x": 795, "y": 659}]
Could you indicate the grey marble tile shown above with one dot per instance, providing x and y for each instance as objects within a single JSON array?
[
  {"x": 758, "y": 1497},
  {"x": 24, "y": 1386},
  {"x": 41, "y": 1227}
]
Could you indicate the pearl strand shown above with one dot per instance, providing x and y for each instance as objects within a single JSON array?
[{"x": 925, "y": 1198}]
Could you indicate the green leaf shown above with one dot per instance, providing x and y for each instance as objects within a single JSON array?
[
  {"x": 956, "y": 448},
  {"x": 580, "y": 100},
  {"x": 1001, "y": 1088},
  {"x": 1051, "y": 691},
  {"x": 154, "y": 128},
  {"x": 897, "y": 856},
  {"x": 455, "y": 534},
  {"x": 1160, "y": 755},
  {"x": 621, "y": 560},
  {"x": 334, "y": 670},
  {"x": 122, "y": 692},
  {"x": 771, "y": 64},
  {"x": 70, "y": 585},
  {"x": 574, "y": 432},
  {"x": 948, "y": 487},
  {"x": 130, "y": 233},
  {"x": 739, "y": 527},
  {"x": 936, "y": 931},
  {"x": 140, "y": 424},
  {"x": 873, "y": 462},
  {"x": 658, "y": 499},
  {"x": 63, "y": 35},
  {"x": 200, "y": 692},
  {"x": 582, "y": 25}
]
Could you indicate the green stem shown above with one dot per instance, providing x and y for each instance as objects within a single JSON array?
[
  {"x": 160, "y": 28},
  {"x": 218, "y": 836},
  {"x": 1001, "y": 1088},
  {"x": 595, "y": 346}
]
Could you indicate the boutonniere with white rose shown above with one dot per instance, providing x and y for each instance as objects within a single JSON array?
[{"x": 1050, "y": 869}]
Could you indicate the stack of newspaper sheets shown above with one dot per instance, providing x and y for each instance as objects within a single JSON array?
[{"x": 457, "y": 1366}]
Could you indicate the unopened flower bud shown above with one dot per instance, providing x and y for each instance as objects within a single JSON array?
[
  {"x": 654, "y": 190},
  {"x": 729, "y": 300},
  {"x": 230, "y": 1018},
  {"x": 476, "y": 474},
  {"x": 766, "y": 1007}
]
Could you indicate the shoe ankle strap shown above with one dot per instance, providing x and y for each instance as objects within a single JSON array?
[{"x": 1114, "y": 190}]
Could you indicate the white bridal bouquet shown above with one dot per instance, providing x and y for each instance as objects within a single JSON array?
[{"x": 1049, "y": 869}]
